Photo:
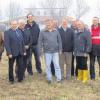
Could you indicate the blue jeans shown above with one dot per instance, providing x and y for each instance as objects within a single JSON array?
[{"x": 49, "y": 57}]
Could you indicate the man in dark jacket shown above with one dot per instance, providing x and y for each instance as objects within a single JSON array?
[
  {"x": 15, "y": 48},
  {"x": 34, "y": 30},
  {"x": 67, "y": 36},
  {"x": 27, "y": 40}
]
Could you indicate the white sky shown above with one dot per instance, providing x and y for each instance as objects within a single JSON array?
[{"x": 26, "y": 3}]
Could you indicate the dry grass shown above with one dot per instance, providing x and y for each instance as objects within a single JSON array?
[{"x": 36, "y": 88}]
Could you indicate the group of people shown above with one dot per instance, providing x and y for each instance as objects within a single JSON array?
[{"x": 66, "y": 48}]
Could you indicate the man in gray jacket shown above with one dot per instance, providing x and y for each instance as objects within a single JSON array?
[{"x": 50, "y": 40}]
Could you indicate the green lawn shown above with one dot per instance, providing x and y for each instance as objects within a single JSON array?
[{"x": 36, "y": 88}]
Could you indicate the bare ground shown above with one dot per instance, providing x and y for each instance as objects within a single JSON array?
[{"x": 36, "y": 88}]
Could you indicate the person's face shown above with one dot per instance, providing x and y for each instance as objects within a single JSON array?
[
  {"x": 80, "y": 26},
  {"x": 95, "y": 21},
  {"x": 14, "y": 25},
  {"x": 64, "y": 23},
  {"x": 22, "y": 25},
  {"x": 74, "y": 24},
  {"x": 30, "y": 18},
  {"x": 55, "y": 23},
  {"x": 49, "y": 24}
]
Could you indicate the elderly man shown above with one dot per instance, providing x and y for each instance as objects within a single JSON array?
[
  {"x": 15, "y": 48},
  {"x": 67, "y": 36},
  {"x": 27, "y": 40}
]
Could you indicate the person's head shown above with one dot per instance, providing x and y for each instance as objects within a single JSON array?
[
  {"x": 64, "y": 23},
  {"x": 74, "y": 24},
  {"x": 14, "y": 24},
  {"x": 30, "y": 18},
  {"x": 80, "y": 25},
  {"x": 54, "y": 21},
  {"x": 95, "y": 21},
  {"x": 21, "y": 24},
  {"x": 49, "y": 24}
]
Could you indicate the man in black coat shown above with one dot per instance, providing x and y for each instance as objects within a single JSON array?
[
  {"x": 15, "y": 48},
  {"x": 27, "y": 40},
  {"x": 67, "y": 36},
  {"x": 34, "y": 31}
]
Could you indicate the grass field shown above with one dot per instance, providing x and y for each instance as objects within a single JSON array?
[{"x": 36, "y": 88}]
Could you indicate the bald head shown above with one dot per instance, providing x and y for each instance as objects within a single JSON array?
[
  {"x": 21, "y": 24},
  {"x": 74, "y": 24},
  {"x": 64, "y": 23},
  {"x": 14, "y": 24}
]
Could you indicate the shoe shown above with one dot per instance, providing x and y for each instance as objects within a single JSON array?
[
  {"x": 31, "y": 74},
  {"x": 11, "y": 82},
  {"x": 92, "y": 76},
  {"x": 39, "y": 71},
  {"x": 59, "y": 82},
  {"x": 85, "y": 76},
  {"x": 49, "y": 81},
  {"x": 20, "y": 81},
  {"x": 80, "y": 73}
]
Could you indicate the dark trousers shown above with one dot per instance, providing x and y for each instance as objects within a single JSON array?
[
  {"x": 0, "y": 56},
  {"x": 52, "y": 69},
  {"x": 92, "y": 65},
  {"x": 20, "y": 67},
  {"x": 34, "y": 50},
  {"x": 74, "y": 71},
  {"x": 27, "y": 62},
  {"x": 81, "y": 62}
]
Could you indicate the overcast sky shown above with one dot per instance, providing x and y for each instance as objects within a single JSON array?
[
  {"x": 4, "y": 3},
  {"x": 26, "y": 3}
]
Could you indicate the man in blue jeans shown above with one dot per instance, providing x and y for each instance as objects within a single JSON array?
[{"x": 50, "y": 40}]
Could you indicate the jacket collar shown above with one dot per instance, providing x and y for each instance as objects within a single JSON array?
[{"x": 33, "y": 23}]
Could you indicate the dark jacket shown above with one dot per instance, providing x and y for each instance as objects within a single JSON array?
[
  {"x": 50, "y": 41},
  {"x": 1, "y": 44},
  {"x": 67, "y": 39},
  {"x": 34, "y": 31},
  {"x": 13, "y": 45},
  {"x": 82, "y": 42},
  {"x": 27, "y": 36}
]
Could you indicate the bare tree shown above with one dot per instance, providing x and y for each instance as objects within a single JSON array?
[
  {"x": 81, "y": 8},
  {"x": 0, "y": 15},
  {"x": 32, "y": 8},
  {"x": 13, "y": 11},
  {"x": 65, "y": 6},
  {"x": 98, "y": 7},
  {"x": 50, "y": 7}
]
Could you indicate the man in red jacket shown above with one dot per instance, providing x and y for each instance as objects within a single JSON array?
[{"x": 95, "y": 31}]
